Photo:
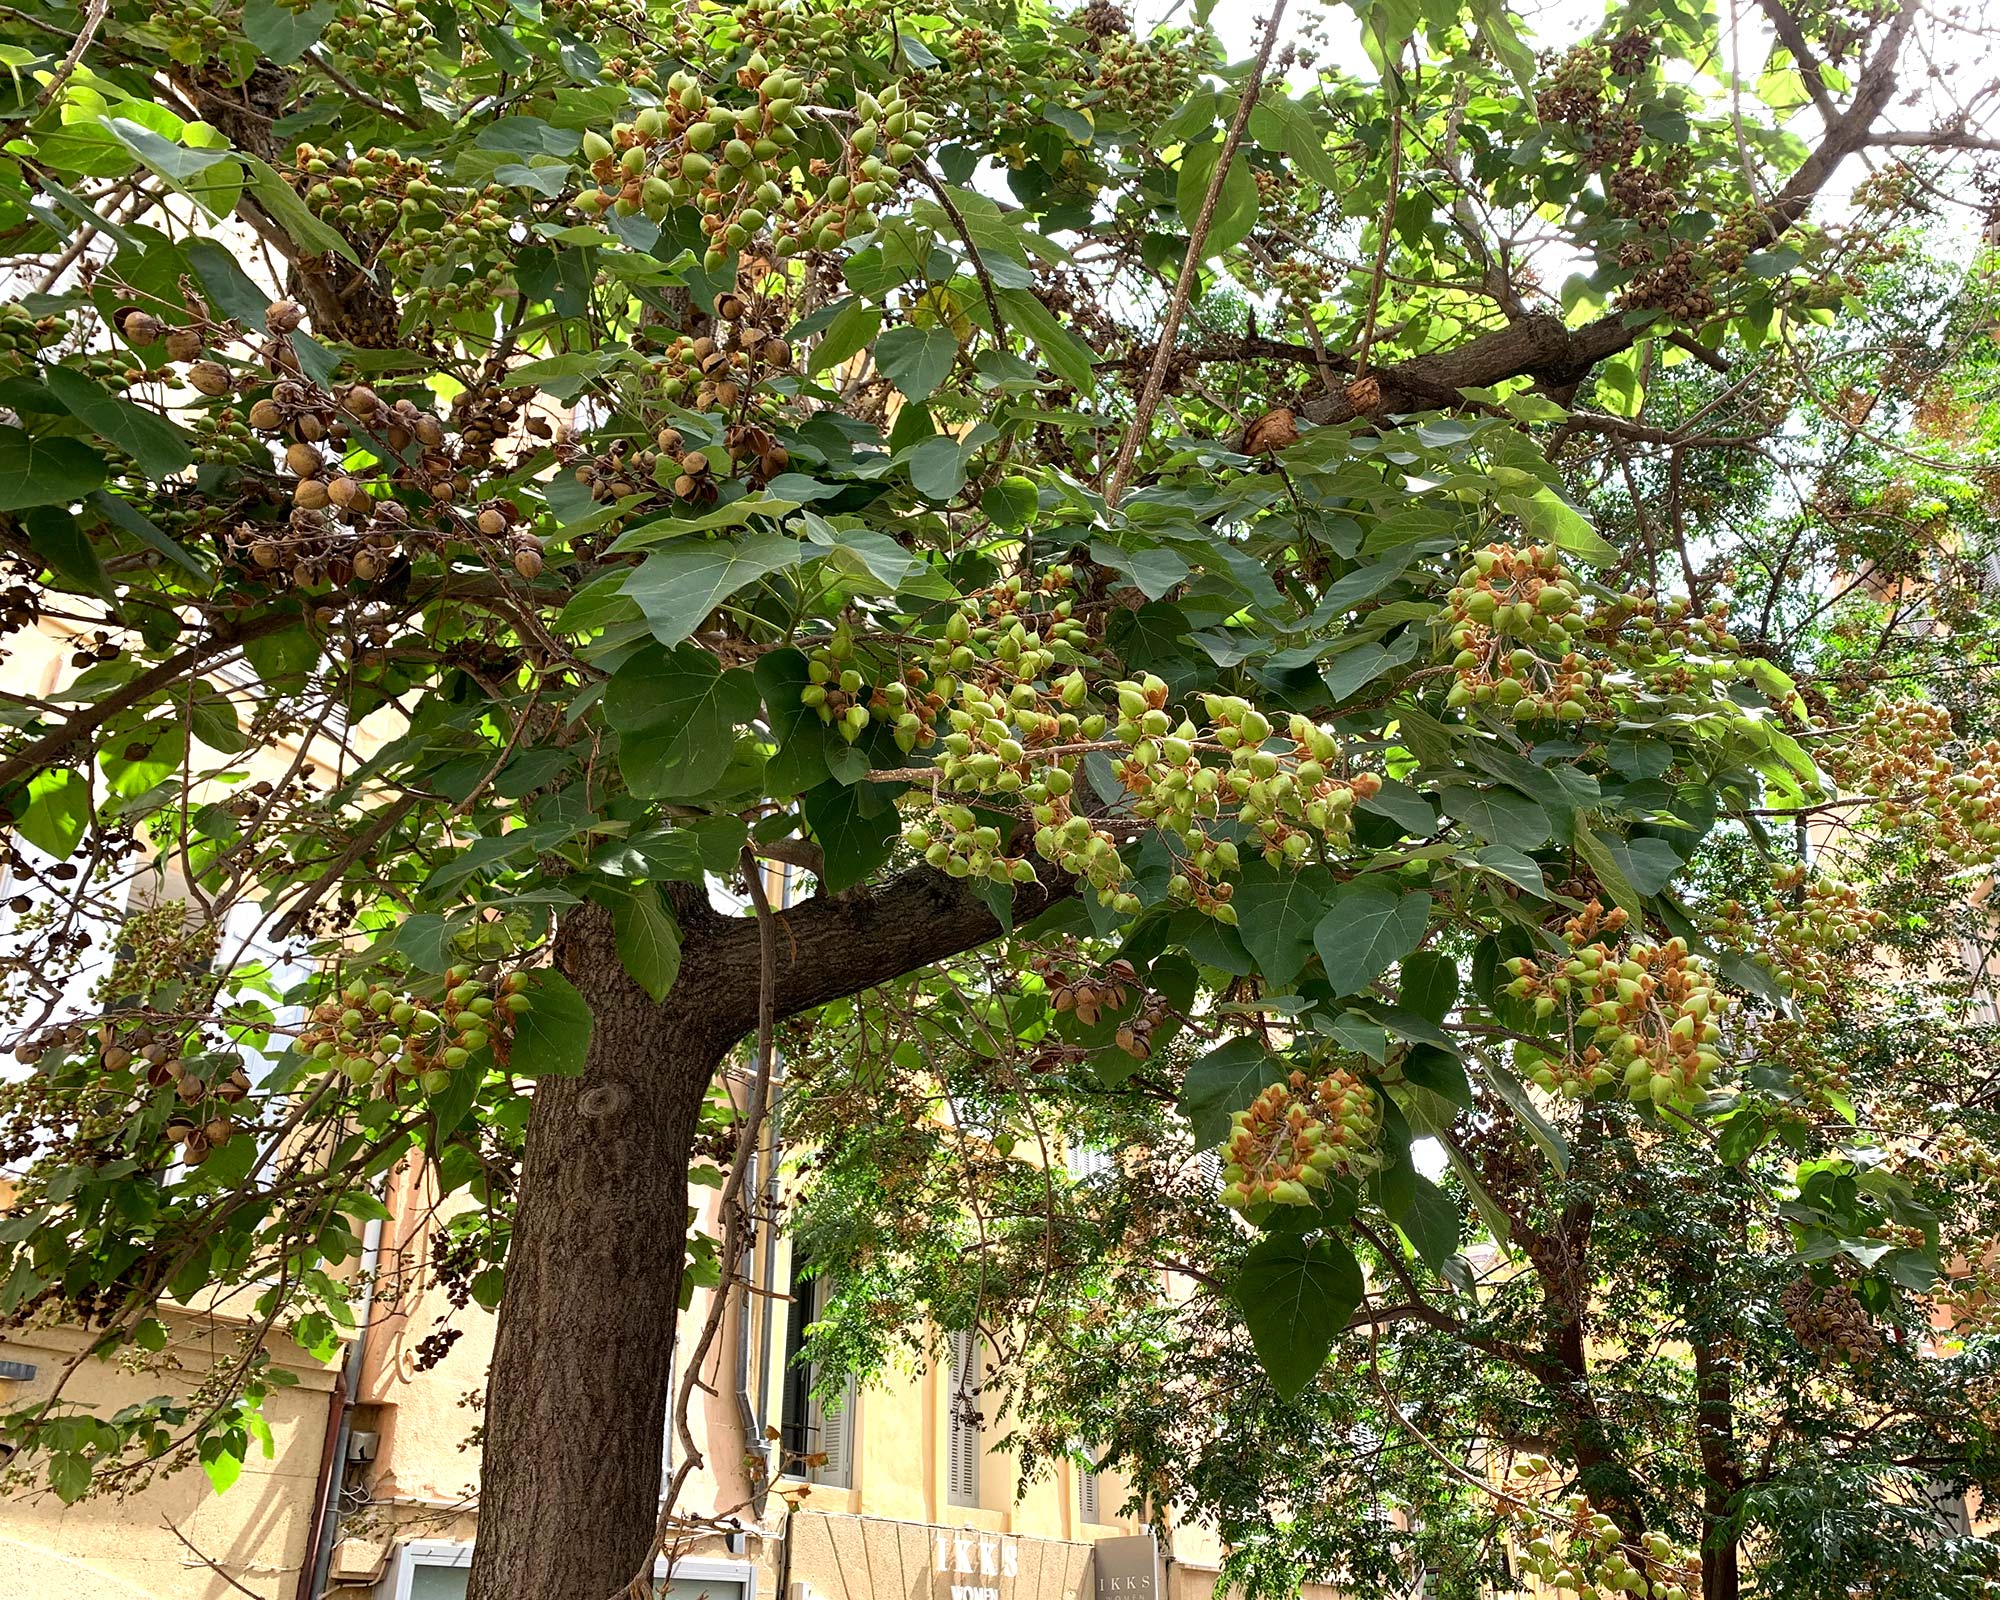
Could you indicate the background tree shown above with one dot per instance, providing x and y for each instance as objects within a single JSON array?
[{"x": 643, "y": 440}]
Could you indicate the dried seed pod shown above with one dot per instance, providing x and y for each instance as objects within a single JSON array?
[
  {"x": 265, "y": 554},
  {"x": 265, "y": 416},
  {"x": 367, "y": 566},
  {"x": 309, "y": 494},
  {"x": 140, "y": 327},
  {"x": 184, "y": 344},
  {"x": 361, "y": 400},
  {"x": 310, "y": 428},
  {"x": 346, "y": 492},
  {"x": 694, "y": 463},
  {"x": 210, "y": 378},
  {"x": 430, "y": 431},
  {"x": 303, "y": 459},
  {"x": 528, "y": 563},
  {"x": 282, "y": 316},
  {"x": 217, "y": 1131},
  {"x": 492, "y": 523},
  {"x": 669, "y": 440}
]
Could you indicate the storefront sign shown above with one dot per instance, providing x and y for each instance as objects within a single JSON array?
[
  {"x": 843, "y": 1557},
  {"x": 1127, "y": 1569}
]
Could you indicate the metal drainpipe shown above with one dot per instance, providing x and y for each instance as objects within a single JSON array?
[
  {"x": 753, "y": 1415},
  {"x": 329, "y": 1502}
]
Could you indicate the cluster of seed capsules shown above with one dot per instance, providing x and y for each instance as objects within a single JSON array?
[
  {"x": 844, "y": 699},
  {"x": 1830, "y": 1321},
  {"x": 1645, "y": 1018},
  {"x": 728, "y": 370},
  {"x": 1296, "y": 1135},
  {"x": 158, "y": 1059},
  {"x": 422, "y": 228},
  {"x": 1516, "y": 624},
  {"x": 376, "y": 1033},
  {"x": 1808, "y": 931},
  {"x": 1571, "y": 1546},
  {"x": 1900, "y": 758},
  {"x": 1018, "y": 732},
  {"x": 735, "y": 163}
]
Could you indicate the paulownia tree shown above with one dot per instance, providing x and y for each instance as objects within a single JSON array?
[{"x": 1021, "y": 471}]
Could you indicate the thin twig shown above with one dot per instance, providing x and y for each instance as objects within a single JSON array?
[
  {"x": 93, "y": 19},
  {"x": 1156, "y": 375}
]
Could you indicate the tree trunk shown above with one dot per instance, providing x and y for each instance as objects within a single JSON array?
[
  {"x": 1721, "y": 1473},
  {"x": 577, "y": 1394}
]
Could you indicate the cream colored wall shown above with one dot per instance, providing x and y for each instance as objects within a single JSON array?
[{"x": 111, "y": 1548}]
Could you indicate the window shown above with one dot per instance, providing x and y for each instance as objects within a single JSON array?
[
  {"x": 1089, "y": 1497},
  {"x": 437, "y": 1569},
  {"x": 1087, "y": 1161},
  {"x": 966, "y": 1423},
  {"x": 807, "y": 1425}
]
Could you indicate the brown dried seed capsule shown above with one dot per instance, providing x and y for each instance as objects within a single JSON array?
[
  {"x": 346, "y": 492},
  {"x": 729, "y": 307},
  {"x": 311, "y": 428},
  {"x": 669, "y": 440},
  {"x": 218, "y": 1130},
  {"x": 265, "y": 416},
  {"x": 141, "y": 327},
  {"x": 528, "y": 563},
  {"x": 303, "y": 459},
  {"x": 492, "y": 523},
  {"x": 184, "y": 344},
  {"x": 430, "y": 431},
  {"x": 265, "y": 554},
  {"x": 361, "y": 400},
  {"x": 775, "y": 352},
  {"x": 367, "y": 566},
  {"x": 683, "y": 486},
  {"x": 309, "y": 494},
  {"x": 694, "y": 463},
  {"x": 210, "y": 378},
  {"x": 283, "y": 316}
]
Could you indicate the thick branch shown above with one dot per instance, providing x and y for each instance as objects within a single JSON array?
[{"x": 1541, "y": 347}]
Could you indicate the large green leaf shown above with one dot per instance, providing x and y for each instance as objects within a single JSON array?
[
  {"x": 1368, "y": 925},
  {"x": 552, "y": 1038},
  {"x": 57, "y": 812},
  {"x": 1296, "y": 1298},
  {"x": 916, "y": 360},
  {"x": 1421, "y": 1209},
  {"x": 282, "y": 32},
  {"x": 159, "y": 447},
  {"x": 45, "y": 472},
  {"x": 679, "y": 586},
  {"x": 676, "y": 714},
  {"x": 853, "y": 325},
  {"x": 1276, "y": 910},
  {"x": 648, "y": 939},
  {"x": 1225, "y": 1080},
  {"x": 857, "y": 827}
]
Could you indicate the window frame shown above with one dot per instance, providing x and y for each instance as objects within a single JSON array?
[{"x": 409, "y": 1554}]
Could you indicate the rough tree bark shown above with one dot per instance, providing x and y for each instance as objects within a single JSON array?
[
  {"x": 578, "y": 1390},
  {"x": 570, "y": 1482}
]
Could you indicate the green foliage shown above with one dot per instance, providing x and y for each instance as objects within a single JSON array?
[{"x": 674, "y": 433}]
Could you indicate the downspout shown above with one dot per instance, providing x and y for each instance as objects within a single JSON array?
[
  {"x": 326, "y": 1511},
  {"x": 752, "y": 1415}
]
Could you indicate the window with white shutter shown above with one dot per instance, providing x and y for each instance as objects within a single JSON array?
[
  {"x": 962, "y": 1456},
  {"x": 809, "y": 1427},
  {"x": 1089, "y": 1497}
]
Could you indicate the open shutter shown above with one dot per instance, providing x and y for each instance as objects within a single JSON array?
[
  {"x": 1088, "y": 1499},
  {"x": 836, "y": 1442},
  {"x": 962, "y": 1458}
]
